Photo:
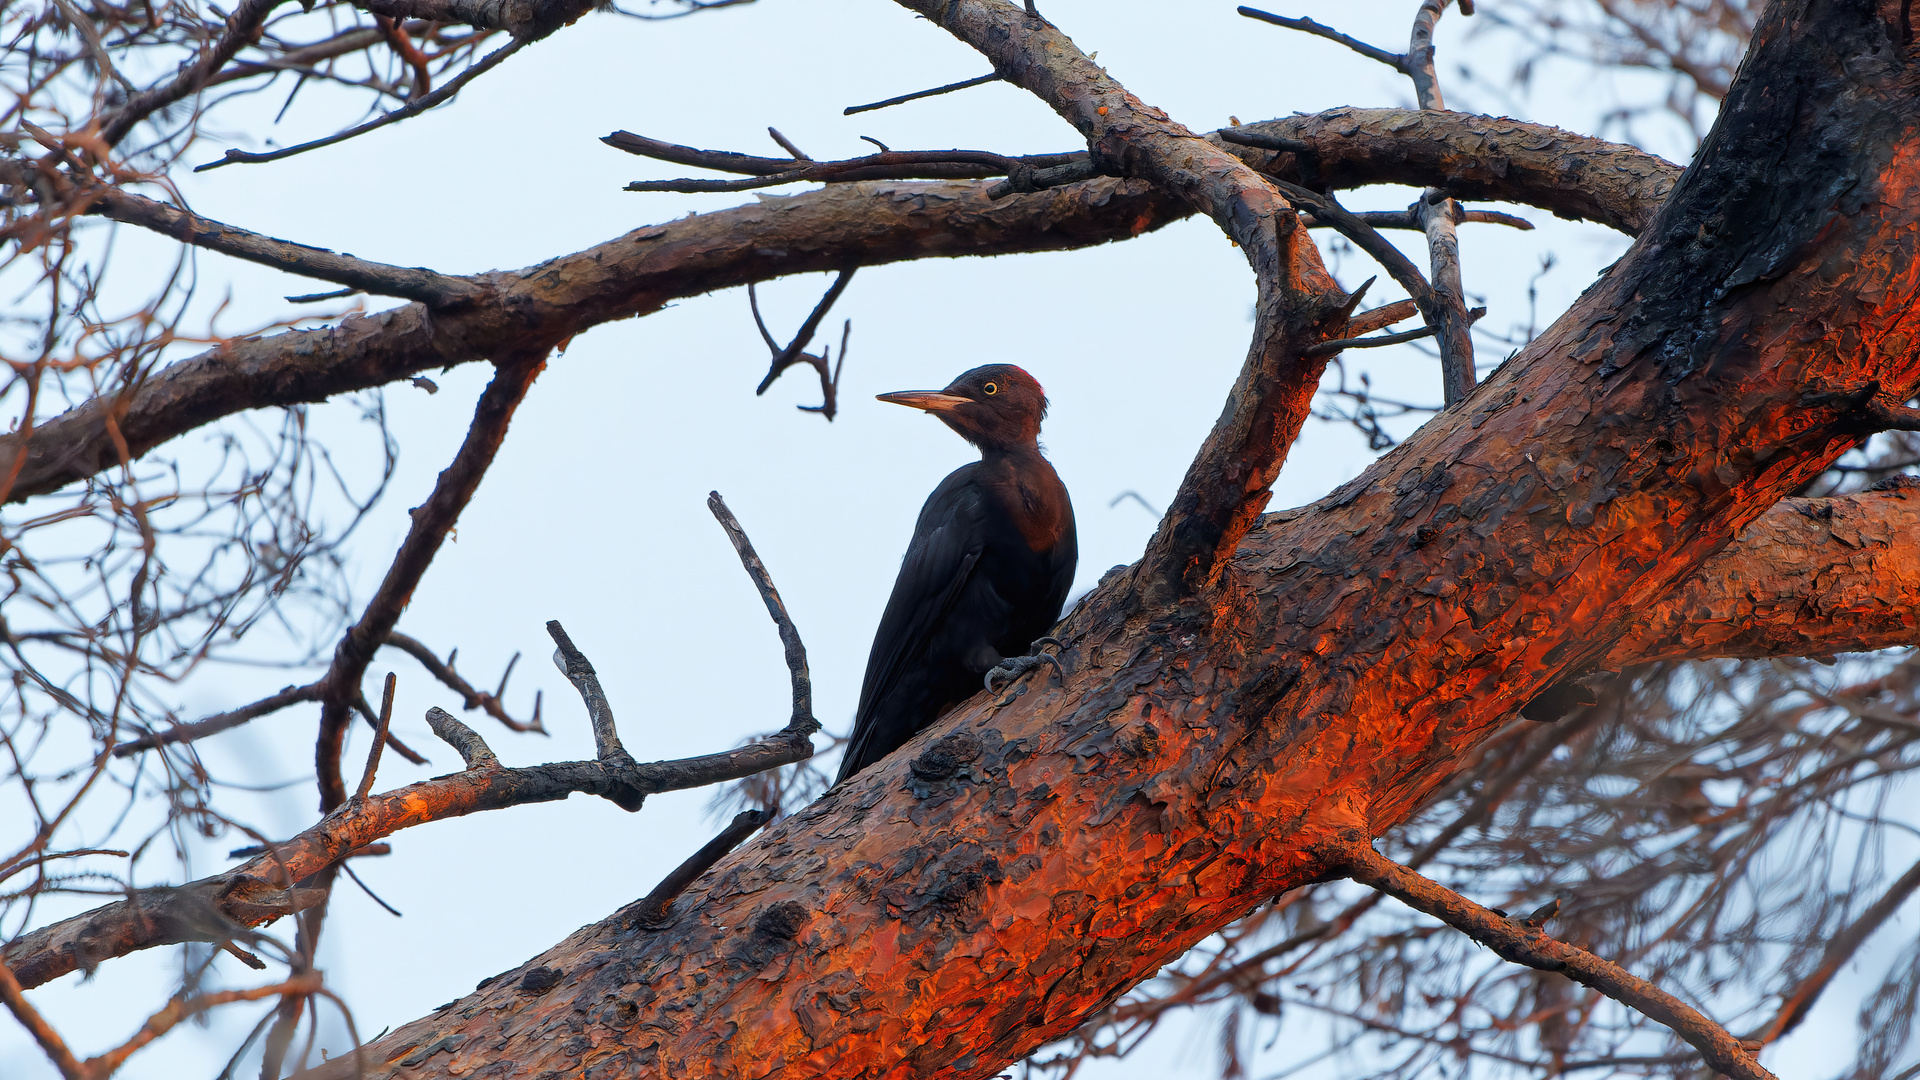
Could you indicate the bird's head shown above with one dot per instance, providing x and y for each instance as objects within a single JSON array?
[{"x": 996, "y": 407}]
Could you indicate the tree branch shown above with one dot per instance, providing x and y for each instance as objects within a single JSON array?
[
  {"x": 1810, "y": 577},
  {"x": 1840, "y": 949},
  {"x": 410, "y": 283},
  {"x": 431, "y": 522},
  {"x": 471, "y": 698},
  {"x": 1394, "y": 60},
  {"x": 845, "y": 225},
  {"x": 1524, "y": 944},
  {"x": 218, "y": 907},
  {"x": 242, "y": 28}
]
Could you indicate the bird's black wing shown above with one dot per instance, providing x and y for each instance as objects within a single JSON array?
[{"x": 947, "y": 543}]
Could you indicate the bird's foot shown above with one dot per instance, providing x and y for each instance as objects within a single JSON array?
[{"x": 1013, "y": 667}]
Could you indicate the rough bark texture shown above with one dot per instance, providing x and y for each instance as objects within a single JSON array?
[
  {"x": 1012, "y": 870},
  {"x": 1810, "y": 577}
]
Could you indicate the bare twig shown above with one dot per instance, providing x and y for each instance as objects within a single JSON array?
[
  {"x": 1328, "y": 348},
  {"x": 917, "y": 95},
  {"x": 428, "y": 530},
  {"x": 243, "y": 26},
  {"x": 473, "y": 749},
  {"x": 787, "y": 144},
  {"x": 471, "y": 698},
  {"x": 784, "y": 358},
  {"x": 1438, "y": 215},
  {"x": 1396, "y": 61},
  {"x": 651, "y": 911},
  {"x": 200, "y": 729},
  {"x": 888, "y": 164},
  {"x": 379, "y": 739},
  {"x": 1381, "y": 317},
  {"x": 579, "y": 672},
  {"x": 413, "y": 107},
  {"x": 796, "y": 651}
]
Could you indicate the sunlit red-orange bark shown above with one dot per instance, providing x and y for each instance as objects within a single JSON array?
[{"x": 1016, "y": 868}]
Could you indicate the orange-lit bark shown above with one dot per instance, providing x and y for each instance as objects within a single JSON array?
[
  {"x": 1810, "y": 577},
  {"x": 1014, "y": 869}
]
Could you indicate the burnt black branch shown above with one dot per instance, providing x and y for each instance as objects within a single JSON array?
[{"x": 784, "y": 358}]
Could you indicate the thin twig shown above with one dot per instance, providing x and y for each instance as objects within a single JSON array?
[
  {"x": 432, "y": 520},
  {"x": 579, "y": 672},
  {"x": 651, "y": 911},
  {"x": 917, "y": 95},
  {"x": 783, "y": 358},
  {"x": 796, "y": 651},
  {"x": 787, "y": 144},
  {"x": 241, "y": 29},
  {"x": 379, "y": 739},
  {"x": 1438, "y": 217},
  {"x": 888, "y": 164},
  {"x": 473, "y": 749},
  {"x": 471, "y": 698},
  {"x": 1394, "y": 60},
  {"x": 1328, "y": 348},
  {"x": 411, "y": 108}
]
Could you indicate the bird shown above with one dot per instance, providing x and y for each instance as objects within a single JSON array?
[{"x": 989, "y": 566}]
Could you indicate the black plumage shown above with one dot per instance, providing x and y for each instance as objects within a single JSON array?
[{"x": 989, "y": 566}]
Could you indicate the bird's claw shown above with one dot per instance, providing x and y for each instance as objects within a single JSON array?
[{"x": 1014, "y": 667}]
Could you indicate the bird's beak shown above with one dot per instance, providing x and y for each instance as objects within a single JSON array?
[{"x": 932, "y": 401}]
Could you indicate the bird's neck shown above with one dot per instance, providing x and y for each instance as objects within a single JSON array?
[{"x": 1012, "y": 454}]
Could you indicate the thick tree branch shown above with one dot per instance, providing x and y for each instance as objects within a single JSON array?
[
  {"x": 1810, "y": 577},
  {"x": 636, "y": 273},
  {"x": 1470, "y": 157},
  {"x": 1525, "y": 944}
]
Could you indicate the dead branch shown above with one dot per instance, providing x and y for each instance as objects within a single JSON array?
[
  {"x": 650, "y": 912},
  {"x": 1394, "y": 60},
  {"x": 218, "y": 907},
  {"x": 413, "y": 107},
  {"x": 431, "y": 522},
  {"x": 471, "y": 698},
  {"x": 796, "y": 652},
  {"x": 1521, "y": 943},
  {"x": 784, "y": 358},
  {"x": 917, "y": 95},
  {"x": 243, "y": 26}
]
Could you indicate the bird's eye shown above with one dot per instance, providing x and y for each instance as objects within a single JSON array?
[{"x": 990, "y": 388}]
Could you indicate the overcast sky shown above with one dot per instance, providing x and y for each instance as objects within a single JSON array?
[{"x": 594, "y": 513}]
